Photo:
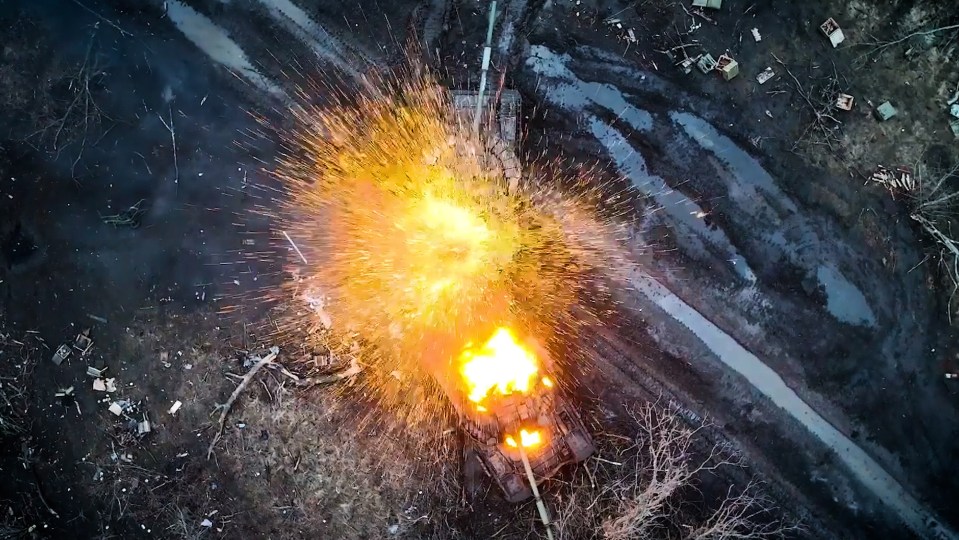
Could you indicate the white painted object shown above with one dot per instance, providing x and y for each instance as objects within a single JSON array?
[
  {"x": 175, "y": 407},
  {"x": 116, "y": 409},
  {"x": 765, "y": 75},
  {"x": 99, "y": 386},
  {"x": 756, "y": 35}
]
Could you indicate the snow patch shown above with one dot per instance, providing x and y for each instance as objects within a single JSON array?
[
  {"x": 843, "y": 299},
  {"x": 577, "y": 94},
  {"x": 767, "y": 381},
  {"x": 216, "y": 43}
]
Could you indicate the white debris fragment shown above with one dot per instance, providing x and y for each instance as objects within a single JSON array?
[
  {"x": 765, "y": 75},
  {"x": 94, "y": 372},
  {"x": 175, "y": 407},
  {"x": 116, "y": 408},
  {"x": 206, "y": 523},
  {"x": 756, "y": 35},
  {"x": 99, "y": 385},
  {"x": 111, "y": 384},
  {"x": 143, "y": 427}
]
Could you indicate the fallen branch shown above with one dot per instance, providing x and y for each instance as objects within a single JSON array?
[
  {"x": 880, "y": 46},
  {"x": 225, "y": 408},
  {"x": 170, "y": 128},
  {"x": 821, "y": 113}
]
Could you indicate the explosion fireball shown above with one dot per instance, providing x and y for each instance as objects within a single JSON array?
[
  {"x": 501, "y": 365},
  {"x": 410, "y": 243}
]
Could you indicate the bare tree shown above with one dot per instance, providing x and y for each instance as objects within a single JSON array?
[{"x": 639, "y": 492}]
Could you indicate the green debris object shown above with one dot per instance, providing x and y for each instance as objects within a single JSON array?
[
  {"x": 712, "y": 4},
  {"x": 706, "y": 63},
  {"x": 885, "y": 111}
]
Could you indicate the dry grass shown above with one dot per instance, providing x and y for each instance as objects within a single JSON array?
[{"x": 305, "y": 454}]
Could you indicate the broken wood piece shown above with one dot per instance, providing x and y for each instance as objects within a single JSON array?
[{"x": 226, "y": 407}]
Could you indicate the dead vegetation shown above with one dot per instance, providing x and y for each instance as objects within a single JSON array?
[
  {"x": 326, "y": 476},
  {"x": 643, "y": 487},
  {"x": 58, "y": 103},
  {"x": 933, "y": 196}
]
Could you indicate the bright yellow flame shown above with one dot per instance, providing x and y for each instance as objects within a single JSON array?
[
  {"x": 529, "y": 439},
  {"x": 501, "y": 365},
  {"x": 547, "y": 382}
]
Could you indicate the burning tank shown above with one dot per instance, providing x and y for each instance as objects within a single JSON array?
[{"x": 510, "y": 405}]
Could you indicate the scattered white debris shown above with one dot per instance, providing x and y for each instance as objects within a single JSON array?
[
  {"x": 64, "y": 392},
  {"x": 952, "y": 375},
  {"x": 99, "y": 385},
  {"x": 116, "y": 408},
  {"x": 144, "y": 427},
  {"x": 206, "y": 523},
  {"x": 756, "y": 35},
  {"x": 111, "y": 384},
  {"x": 176, "y": 406}
]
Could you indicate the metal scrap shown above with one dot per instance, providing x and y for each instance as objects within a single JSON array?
[
  {"x": 63, "y": 352},
  {"x": 83, "y": 343}
]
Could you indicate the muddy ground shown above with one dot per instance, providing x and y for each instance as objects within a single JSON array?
[{"x": 101, "y": 227}]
